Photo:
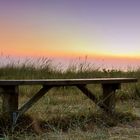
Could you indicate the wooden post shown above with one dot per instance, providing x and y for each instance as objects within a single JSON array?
[
  {"x": 10, "y": 100},
  {"x": 108, "y": 102}
]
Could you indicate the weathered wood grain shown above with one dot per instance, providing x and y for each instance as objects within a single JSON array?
[
  {"x": 33, "y": 100},
  {"x": 67, "y": 82},
  {"x": 87, "y": 92},
  {"x": 10, "y": 99},
  {"x": 108, "y": 102}
]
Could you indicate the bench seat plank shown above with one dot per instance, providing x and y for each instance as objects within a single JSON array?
[{"x": 67, "y": 82}]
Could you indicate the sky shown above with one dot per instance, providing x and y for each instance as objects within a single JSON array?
[{"x": 106, "y": 32}]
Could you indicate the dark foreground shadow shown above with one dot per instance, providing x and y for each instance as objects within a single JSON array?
[{"x": 26, "y": 124}]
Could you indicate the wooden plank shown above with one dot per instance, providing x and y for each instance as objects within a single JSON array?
[
  {"x": 67, "y": 82},
  {"x": 10, "y": 99},
  {"x": 108, "y": 102},
  {"x": 33, "y": 100},
  {"x": 86, "y": 92}
]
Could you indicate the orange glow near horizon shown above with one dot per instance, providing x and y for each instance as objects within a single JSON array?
[
  {"x": 71, "y": 30},
  {"x": 30, "y": 44},
  {"x": 27, "y": 43},
  {"x": 52, "y": 54}
]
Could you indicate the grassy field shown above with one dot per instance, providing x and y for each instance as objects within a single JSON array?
[{"x": 66, "y": 114}]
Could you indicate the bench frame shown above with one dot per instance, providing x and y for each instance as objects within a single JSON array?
[{"x": 10, "y": 92}]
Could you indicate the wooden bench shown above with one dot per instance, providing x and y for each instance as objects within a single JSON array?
[{"x": 10, "y": 92}]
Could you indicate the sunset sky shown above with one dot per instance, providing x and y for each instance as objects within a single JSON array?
[{"x": 107, "y": 31}]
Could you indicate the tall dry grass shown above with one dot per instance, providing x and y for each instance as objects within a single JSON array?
[{"x": 65, "y": 113}]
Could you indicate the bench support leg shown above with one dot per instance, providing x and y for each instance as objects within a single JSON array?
[
  {"x": 10, "y": 100},
  {"x": 28, "y": 105},
  {"x": 33, "y": 100},
  {"x": 108, "y": 102},
  {"x": 87, "y": 92}
]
